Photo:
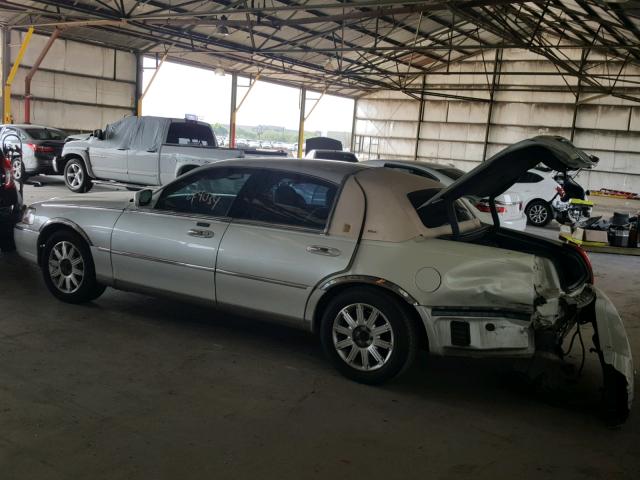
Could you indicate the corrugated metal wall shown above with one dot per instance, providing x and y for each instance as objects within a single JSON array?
[
  {"x": 459, "y": 131},
  {"x": 79, "y": 87}
]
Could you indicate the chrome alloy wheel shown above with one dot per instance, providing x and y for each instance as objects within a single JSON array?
[
  {"x": 16, "y": 169},
  {"x": 538, "y": 214},
  {"x": 363, "y": 337},
  {"x": 74, "y": 176},
  {"x": 66, "y": 267}
]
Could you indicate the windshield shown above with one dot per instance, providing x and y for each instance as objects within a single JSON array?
[
  {"x": 45, "y": 134},
  {"x": 435, "y": 214}
]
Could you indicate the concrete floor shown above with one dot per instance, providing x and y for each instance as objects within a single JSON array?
[{"x": 136, "y": 387}]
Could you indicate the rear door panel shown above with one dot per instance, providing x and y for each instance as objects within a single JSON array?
[{"x": 274, "y": 269}]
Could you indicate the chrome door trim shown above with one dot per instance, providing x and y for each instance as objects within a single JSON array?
[
  {"x": 172, "y": 213},
  {"x": 156, "y": 259},
  {"x": 262, "y": 279},
  {"x": 80, "y": 207},
  {"x": 276, "y": 226}
]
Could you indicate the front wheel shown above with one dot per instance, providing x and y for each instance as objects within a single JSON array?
[
  {"x": 368, "y": 335},
  {"x": 68, "y": 269},
  {"x": 75, "y": 176},
  {"x": 539, "y": 213}
]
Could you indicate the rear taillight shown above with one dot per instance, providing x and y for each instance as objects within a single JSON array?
[
  {"x": 7, "y": 175},
  {"x": 587, "y": 261},
  {"x": 40, "y": 148},
  {"x": 483, "y": 206},
  {"x": 560, "y": 191}
]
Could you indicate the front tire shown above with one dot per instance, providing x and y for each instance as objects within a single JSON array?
[
  {"x": 76, "y": 177},
  {"x": 68, "y": 269},
  {"x": 538, "y": 213},
  {"x": 368, "y": 335}
]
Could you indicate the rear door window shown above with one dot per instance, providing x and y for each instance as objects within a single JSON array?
[
  {"x": 288, "y": 199},
  {"x": 45, "y": 134}
]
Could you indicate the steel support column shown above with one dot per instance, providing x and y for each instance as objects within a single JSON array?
[
  {"x": 153, "y": 77},
  {"x": 32, "y": 72},
  {"x": 139, "y": 77},
  {"x": 6, "y": 58},
  {"x": 497, "y": 65},
  {"x": 14, "y": 69},
  {"x": 232, "y": 118},
  {"x": 235, "y": 109},
  {"x": 303, "y": 102},
  {"x": 353, "y": 125},
  {"x": 420, "y": 115}
]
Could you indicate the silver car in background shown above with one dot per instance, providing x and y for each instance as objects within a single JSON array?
[
  {"x": 509, "y": 204},
  {"x": 378, "y": 263},
  {"x": 40, "y": 147}
]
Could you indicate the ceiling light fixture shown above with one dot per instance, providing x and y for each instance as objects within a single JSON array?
[{"x": 222, "y": 28}]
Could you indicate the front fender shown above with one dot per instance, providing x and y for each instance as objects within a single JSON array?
[{"x": 69, "y": 152}]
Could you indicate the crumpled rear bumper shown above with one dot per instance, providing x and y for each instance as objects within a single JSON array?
[{"x": 613, "y": 348}]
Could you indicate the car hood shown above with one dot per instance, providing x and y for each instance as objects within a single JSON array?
[
  {"x": 496, "y": 175},
  {"x": 110, "y": 200}
]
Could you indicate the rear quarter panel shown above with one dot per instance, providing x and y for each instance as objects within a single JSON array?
[{"x": 451, "y": 274}]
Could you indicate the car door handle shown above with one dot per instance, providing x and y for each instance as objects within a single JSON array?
[
  {"x": 195, "y": 232},
  {"x": 320, "y": 250}
]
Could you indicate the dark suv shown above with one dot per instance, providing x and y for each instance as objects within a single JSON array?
[{"x": 40, "y": 147}]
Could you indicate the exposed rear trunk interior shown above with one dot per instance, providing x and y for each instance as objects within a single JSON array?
[{"x": 571, "y": 267}]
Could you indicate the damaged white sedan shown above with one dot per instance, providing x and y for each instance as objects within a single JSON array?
[{"x": 377, "y": 262}]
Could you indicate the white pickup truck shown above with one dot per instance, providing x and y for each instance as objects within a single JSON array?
[{"x": 140, "y": 151}]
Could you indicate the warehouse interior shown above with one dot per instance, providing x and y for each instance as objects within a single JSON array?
[{"x": 453, "y": 82}]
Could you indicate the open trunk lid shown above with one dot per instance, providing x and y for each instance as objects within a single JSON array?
[{"x": 496, "y": 175}]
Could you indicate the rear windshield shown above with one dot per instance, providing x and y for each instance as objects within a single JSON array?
[
  {"x": 336, "y": 155},
  {"x": 435, "y": 214},
  {"x": 184, "y": 133},
  {"x": 452, "y": 173},
  {"x": 45, "y": 134}
]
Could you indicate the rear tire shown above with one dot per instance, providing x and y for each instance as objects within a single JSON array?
[
  {"x": 538, "y": 213},
  {"x": 18, "y": 171},
  {"x": 68, "y": 268},
  {"x": 368, "y": 335},
  {"x": 76, "y": 177}
]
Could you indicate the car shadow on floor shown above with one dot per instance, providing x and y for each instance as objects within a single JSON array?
[{"x": 492, "y": 385}]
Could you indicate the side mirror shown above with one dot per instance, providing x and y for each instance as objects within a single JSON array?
[
  {"x": 99, "y": 134},
  {"x": 143, "y": 198}
]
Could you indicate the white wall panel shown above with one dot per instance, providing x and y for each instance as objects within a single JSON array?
[
  {"x": 453, "y": 130},
  {"x": 78, "y": 86}
]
